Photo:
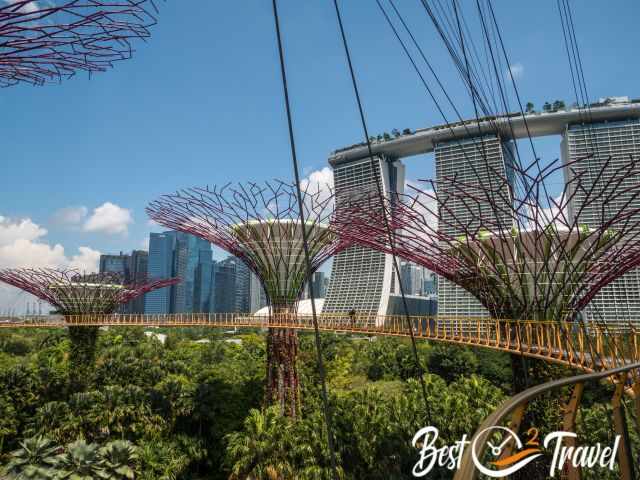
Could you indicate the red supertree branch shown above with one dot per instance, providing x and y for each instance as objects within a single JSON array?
[
  {"x": 73, "y": 293},
  {"x": 47, "y": 40},
  {"x": 259, "y": 224},
  {"x": 522, "y": 257}
]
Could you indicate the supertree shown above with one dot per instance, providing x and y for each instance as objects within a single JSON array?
[
  {"x": 523, "y": 252},
  {"x": 259, "y": 224},
  {"x": 41, "y": 41},
  {"x": 73, "y": 293}
]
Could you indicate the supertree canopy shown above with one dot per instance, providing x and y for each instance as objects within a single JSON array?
[
  {"x": 260, "y": 224},
  {"x": 523, "y": 252},
  {"x": 73, "y": 293},
  {"x": 527, "y": 254},
  {"x": 41, "y": 41}
]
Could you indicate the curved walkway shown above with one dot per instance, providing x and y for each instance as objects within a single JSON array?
[{"x": 588, "y": 347}]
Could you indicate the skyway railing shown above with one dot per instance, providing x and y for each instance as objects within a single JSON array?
[{"x": 584, "y": 345}]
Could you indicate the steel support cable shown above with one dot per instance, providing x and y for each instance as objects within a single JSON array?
[
  {"x": 464, "y": 52},
  {"x": 499, "y": 37},
  {"x": 382, "y": 206},
  {"x": 429, "y": 90},
  {"x": 503, "y": 96},
  {"x": 466, "y": 75},
  {"x": 316, "y": 328},
  {"x": 496, "y": 70},
  {"x": 504, "y": 51},
  {"x": 462, "y": 44},
  {"x": 458, "y": 62},
  {"x": 415, "y": 66},
  {"x": 472, "y": 90},
  {"x": 580, "y": 73},
  {"x": 580, "y": 91}
]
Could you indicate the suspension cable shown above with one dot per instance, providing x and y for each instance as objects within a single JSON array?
[
  {"x": 307, "y": 257},
  {"x": 384, "y": 213}
]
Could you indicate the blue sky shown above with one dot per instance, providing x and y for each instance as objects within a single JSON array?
[{"x": 201, "y": 103}]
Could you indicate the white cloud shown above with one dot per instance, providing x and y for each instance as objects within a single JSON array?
[
  {"x": 22, "y": 245},
  {"x": 322, "y": 178},
  {"x": 552, "y": 213},
  {"x": 10, "y": 231},
  {"x": 109, "y": 218},
  {"x": 320, "y": 181},
  {"x": 427, "y": 206},
  {"x": 85, "y": 261},
  {"x": 29, "y": 7},
  {"x": 70, "y": 216},
  {"x": 517, "y": 70}
]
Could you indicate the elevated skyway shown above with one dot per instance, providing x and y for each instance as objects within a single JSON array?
[{"x": 585, "y": 346}]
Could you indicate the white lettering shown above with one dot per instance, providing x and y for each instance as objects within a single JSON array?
[
  {"x": 450, "y": 456},
  {"x": 557, "y": 451}
]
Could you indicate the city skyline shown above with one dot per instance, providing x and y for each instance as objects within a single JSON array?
[
  {"x": 74, "y": 226},
  {"x": 154, "y": 149}
]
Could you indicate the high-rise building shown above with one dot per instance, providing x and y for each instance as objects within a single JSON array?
[
  {"x": 319, "y": 282},
  {"x": 430, "y": 284},
  {"x": 257, "y": 295},
  {"x": 161, "y": 249},
  {"x": 473, "y": 161},
  {"x": 204, "y": 291},
  {"x": 243, "y": 287},
  {"x": 225, "y": 285},
  {"x": 190, "y": 251},
  {"x": 115, "y": 264},
  {"x": 177, "y": 254},
  {"x": 361, "y": 278},
  {"x": 138, "y": 271},
  {"x": 132, "y": 269},
  {"x": 590, "y": 146},
  {"x": 412, "y": 278}
]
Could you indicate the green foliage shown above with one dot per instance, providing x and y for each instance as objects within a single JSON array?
[
  {"x": 36, "y": 459},
  {"x": 40, "y": 459},
  {"x": 82, "y": 355},
  {"x": 118, "y": 460},
  {"x": 451, "y": 362},
  {"x": 193, "y": 411},
  {"x": 81, "y": 461}
]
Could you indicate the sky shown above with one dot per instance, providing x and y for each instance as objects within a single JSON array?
[{"x": 201, "y": 103}]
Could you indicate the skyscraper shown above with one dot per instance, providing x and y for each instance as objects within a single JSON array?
[
  {"x": 473, "y": 161},
  {"x": 225, "y": 285},
  {"x": 115, "y": 264},
  {"x": 161, "y": 248},
  {"x": 257, "y": 295},
  {"x": 190, "y": 251},
  {"x": 319, "y": 281},
  {"x": 177, "y": 254},
  {"x": 430, "y": 284},
  {"x": 590, "y": 145},
  {"x": 138, "y": 265},
  {"x": 361, "y": 277},
  {"x": 412, "y": 278},
  {"x": 132, "y": 269},
  {"x": 204, "y": 294},
  {"x": 243, "y": 287}
]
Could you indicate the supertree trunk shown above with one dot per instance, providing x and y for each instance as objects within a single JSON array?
[
  {"x": 283, "y": 387},
  {"x": 75, "y": 295},
  {"x": 82, "y": 356},
  {"x": 261, "y": 225}
]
